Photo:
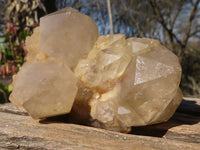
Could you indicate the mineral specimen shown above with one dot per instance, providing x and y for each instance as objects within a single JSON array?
[
  {"x": 46, "y": 85},
  {"x": 134, "y": 81},
  {"x": 67, "y": 35},
  {"x": 44, "y": 88},
  {"x": 32, "y": 44},
  {"x": 110, "y": 82}
]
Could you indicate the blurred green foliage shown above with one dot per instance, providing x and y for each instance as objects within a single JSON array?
[
  {"x": 20, "y": 17},
  {"x": 5, "y": 91}
]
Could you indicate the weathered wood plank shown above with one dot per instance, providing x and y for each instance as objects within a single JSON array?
[
  {"x": 10, "y": 108},
  {"x": 18, "y": 131}
]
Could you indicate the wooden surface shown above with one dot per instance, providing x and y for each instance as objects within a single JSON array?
[{"x": 20, "y": 131}]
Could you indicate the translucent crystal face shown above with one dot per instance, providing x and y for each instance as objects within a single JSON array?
[
  {"x": 41, "y": 88},
  {"x": 46, "y": 85},
  {"x": 67, "y": 35},
  {"x": 105, "y": 63},
  {"x": 139, "y": 85},
  {"x": 115, "y": 82}
]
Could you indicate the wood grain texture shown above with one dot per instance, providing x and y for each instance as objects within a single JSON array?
[{"x": 20, "y": 131}]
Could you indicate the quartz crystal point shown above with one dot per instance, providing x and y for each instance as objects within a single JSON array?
[
  {"x": 135, "y": 82},
  {"x": 67, "y": 35},
  {"x": 44, "y": 88}
]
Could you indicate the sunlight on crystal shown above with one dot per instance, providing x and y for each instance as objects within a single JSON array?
[{"x": 107, "y": 81}]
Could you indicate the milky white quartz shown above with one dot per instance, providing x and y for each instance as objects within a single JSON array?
[
  {"x": 45, "y": 88},
  {"x": 46, "y": 85},
  {"x": 67, "y": 35}
]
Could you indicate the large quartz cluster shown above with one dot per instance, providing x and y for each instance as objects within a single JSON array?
[
  {"x": 110, "y": 81},
  {"x": 46, "y": 85}
]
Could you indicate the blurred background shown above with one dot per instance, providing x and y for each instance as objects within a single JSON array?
[{"x": 175, "y": 23}]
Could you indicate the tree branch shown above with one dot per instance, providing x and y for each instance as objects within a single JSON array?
[
  {"x": 133, "y": 19},
  {"x": 194, "y": 33},
  {"x": 101, "y": 17},
  {"x": 176, "y": 15},
  {"x": 161, "y": 20},
  {"x": 191, "y": 18},
  {"x": 110, "y": 17}
]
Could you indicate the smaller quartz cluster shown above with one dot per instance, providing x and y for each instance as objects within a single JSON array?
[
  {"x": 110, "y": 81},
  {"x": 46, "y": 85}
]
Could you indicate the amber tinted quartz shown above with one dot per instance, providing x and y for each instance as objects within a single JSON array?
[
  {"x": 107, "y": 81},
  {"x": 135, "y": 82},
  {"x": 105, "y": 63}
]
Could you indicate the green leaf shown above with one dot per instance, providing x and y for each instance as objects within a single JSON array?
[
  {"x": 23, "y": 35},
  {"x": 10, "y": 88},
  {"x": 3, "y": 50}
]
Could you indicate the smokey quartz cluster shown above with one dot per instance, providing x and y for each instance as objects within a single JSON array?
[{"x": 110, "y": 81}]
